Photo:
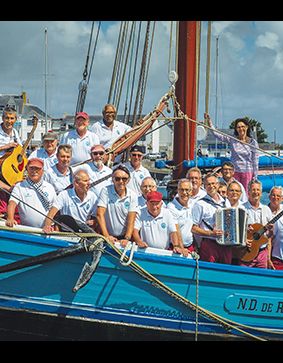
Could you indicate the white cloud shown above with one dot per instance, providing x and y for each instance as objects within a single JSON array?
[{"x": 268, "y": 40}]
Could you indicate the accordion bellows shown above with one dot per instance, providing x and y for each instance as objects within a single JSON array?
[{"x": 233, "y": 222}]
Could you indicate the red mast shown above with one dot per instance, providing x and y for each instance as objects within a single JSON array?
[{"x": 186, "y": 92}]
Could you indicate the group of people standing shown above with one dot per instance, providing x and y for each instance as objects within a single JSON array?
[{"x": 68, "y": 175}]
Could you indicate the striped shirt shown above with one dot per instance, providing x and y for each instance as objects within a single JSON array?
[{"x": 244, "y": 157}]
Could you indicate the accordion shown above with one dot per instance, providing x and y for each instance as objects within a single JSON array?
[{"x": 233, "y": 222}]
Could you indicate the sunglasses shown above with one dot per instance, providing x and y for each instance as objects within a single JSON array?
[
  {"x": 98, "y": 153},
  {"x": 118, "y": 178},
  {"x": 138, "y": 155}
]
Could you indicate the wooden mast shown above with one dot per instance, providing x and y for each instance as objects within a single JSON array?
[{"x": 186, "y": 92}]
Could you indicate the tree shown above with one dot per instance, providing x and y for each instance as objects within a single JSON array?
[{"x": 260, "y": 132}]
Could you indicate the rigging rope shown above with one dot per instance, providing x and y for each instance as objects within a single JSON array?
[
  {"x": 86, "y": 74},
  {"x": 84, "y": 83}
]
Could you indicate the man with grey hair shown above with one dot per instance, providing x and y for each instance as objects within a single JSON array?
[
  {"x": 148, "y": 184},
  {"x": 276, "y": 198},
  {"x": 79, "y": 202},
  {"x": 195, "y": 177},
  {"x": 48, "y": 151},
  {"x": 204, "y": 229},
  {"x": 9, "y": 136},
  {"x": 181, "y": 209},
  {"x": 258, "y": 213}
]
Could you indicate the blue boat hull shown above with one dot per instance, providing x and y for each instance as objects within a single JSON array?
[{"x": 117, "y": 294}]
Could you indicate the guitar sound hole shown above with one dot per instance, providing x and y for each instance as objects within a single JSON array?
[
  {"x": 19, "y": 158},
  {"x": 256, "y": 236}
]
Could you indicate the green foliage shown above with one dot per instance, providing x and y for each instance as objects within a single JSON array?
[{"x": 260, "y": 132}]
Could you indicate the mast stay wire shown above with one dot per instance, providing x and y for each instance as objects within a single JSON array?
[
  {"x": 140, "y": 89},
  {"x": 121, "y": 53},
  {"x": 114, "y": 71},
  {"x": 86, "y": 74},
  {"x": 125, "y": 62},
  {"x": 134, "y": 73},
  {"x": 146, "y": 71},
  {"x": 126, "y": 115}
]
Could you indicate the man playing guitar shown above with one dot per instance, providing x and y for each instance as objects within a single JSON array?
[
  {"x": 258, "y": 215},
  {"x": 9, "y": 139},
  {"x": 9, "y": 136}
]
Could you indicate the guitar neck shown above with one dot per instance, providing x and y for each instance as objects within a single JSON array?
[
  {"x": 100, "y": 180},
  {"x": 273, "y": 220},
  {"x": 28, "y": 140}
]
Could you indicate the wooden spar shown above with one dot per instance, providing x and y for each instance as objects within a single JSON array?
[
  {"x": 186, "y": 92},
  {"x": 132, "y": 136}
]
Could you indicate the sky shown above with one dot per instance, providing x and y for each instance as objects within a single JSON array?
[{"x": 249, "y": 73}]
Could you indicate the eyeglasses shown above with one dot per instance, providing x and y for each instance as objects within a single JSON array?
[
  {"x": 227, "y": 169},
  {"x": 184, "y": 190},
  {"x": 148, "y": 186},
  {"x": 234, "y": 190},
  {"x": 35, "y": 168},
  {"x": 138, "y": 155},
  {"x": 117, "y": 179},
  {"x": 98, "y": 152}
]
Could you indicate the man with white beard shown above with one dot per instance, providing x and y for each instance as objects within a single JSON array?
[{"x": 96, "y": 168}]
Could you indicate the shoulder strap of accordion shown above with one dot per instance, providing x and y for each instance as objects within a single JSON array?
[{"x": 209, "y": 201}]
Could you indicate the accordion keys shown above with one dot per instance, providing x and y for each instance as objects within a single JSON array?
[{"x": 233, "y": 222}]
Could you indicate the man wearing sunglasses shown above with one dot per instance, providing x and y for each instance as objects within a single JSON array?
[
  {"x": 117, "y": 207},
  {"x": 137, "y": 170},
  {"x": 96, "y": 168}
]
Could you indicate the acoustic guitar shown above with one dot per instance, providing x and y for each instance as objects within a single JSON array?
[
  {"x": 13, "y": 163},
  {"x": 258, "y": 238}
]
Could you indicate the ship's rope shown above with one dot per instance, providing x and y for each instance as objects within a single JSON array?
[
  {"x": 195, "y": 256},
  {"x": 182, "y": 115},
  {"x": 226, "y": 323}
]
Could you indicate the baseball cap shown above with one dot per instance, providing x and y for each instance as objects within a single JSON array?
[
  {"x": 136, "y": 148},
  {"x": 154, "y": 196},
  {"x": 82, "y": 114},
  {"x": 35, "y": 162},
  {"x": 50, "y": 136}
]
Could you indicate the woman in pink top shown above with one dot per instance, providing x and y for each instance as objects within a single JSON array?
[{"x": 244, "y": 153}]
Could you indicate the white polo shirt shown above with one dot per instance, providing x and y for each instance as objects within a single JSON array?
[
  {"x": 261, "y": 215},
  {"x": 57, "y": 179},
  {"x": 6, "y": 139},
  {"x": 49, "y": 160},
  {"x": 80, "y": 145},
  {"x": 67, "y": 202},
  {"x": 137, "y": 176},
  {"x": 107, "y": 136},
  {"x": 277, "y": 241},
  {"x": 96, "y": 174},
  {"x": 204, "y": 211},
  {"x": 183, "y": 217},
  {"x": 117, "y": 208},
  {"x": 201, "y": 193},
  {"x": 26, "y": 193},
  {"x": 155, "y": 231}
]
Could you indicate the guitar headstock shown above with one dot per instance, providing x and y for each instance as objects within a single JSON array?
[{"x": 34, "y": 120}]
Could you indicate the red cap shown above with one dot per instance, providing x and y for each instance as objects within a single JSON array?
[
  {"x": 83, "y": 115},
  {"x": 36, "y": 162},
  {"x": 154, "y": 196}
]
